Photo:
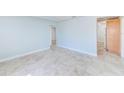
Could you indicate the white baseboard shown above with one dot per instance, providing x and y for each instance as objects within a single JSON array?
[
  {"x": 22, "y": 55},
  {"x": 39, "y": 50},
  {"x": 83, "y": 52}
]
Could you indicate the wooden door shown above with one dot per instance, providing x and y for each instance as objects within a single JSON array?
[{"x": 113, "y": 36}]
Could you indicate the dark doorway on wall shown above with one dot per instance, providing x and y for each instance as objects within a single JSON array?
[{"x": 108, "y": 35}]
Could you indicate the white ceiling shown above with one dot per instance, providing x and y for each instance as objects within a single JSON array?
[
  {"x": 56, "y": 18},
  {"x": 63, "y": 18}
]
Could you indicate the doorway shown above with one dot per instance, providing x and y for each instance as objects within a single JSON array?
[
  {"x": 53, "y": 36},
  {"x": 108, "y": 35}
]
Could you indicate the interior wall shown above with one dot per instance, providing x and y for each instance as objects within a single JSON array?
[
  {"x": 19, "y": 35},
  {"x": 78, "y": 34},
  {"x": 122, "y": 36}
]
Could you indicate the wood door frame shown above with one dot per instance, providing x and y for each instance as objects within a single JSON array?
[
  {"x": 105, "y": 19},
  {"x": 97, "y": 34}
]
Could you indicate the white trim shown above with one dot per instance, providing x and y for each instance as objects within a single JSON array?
[
  {"x": 22, "y": 55},
  {"x": 83, "y": 52}
]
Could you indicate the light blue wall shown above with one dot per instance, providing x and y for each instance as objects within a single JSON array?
[
  {"x": 78, "y": 34},
  {"x": 19, "y": 35}
]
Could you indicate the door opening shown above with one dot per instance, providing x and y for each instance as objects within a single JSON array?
[
  {"x": 108, "y": 36},
  {"x": 53, "y": 37}
]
